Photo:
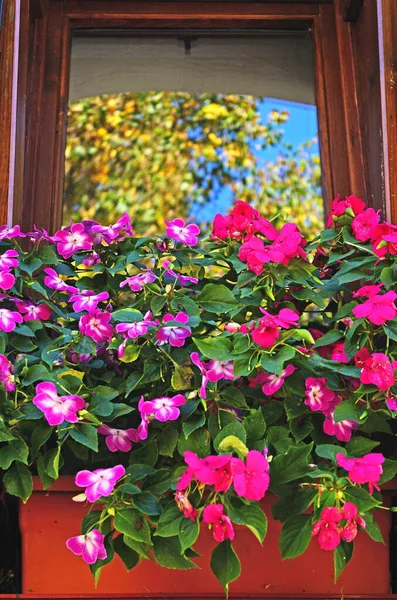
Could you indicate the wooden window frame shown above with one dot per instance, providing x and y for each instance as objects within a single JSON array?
[{"x": 351, "y": 153}]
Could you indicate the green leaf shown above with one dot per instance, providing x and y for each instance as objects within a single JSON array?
[
  {"x": 168, "y": 554},
  {"x": 194, "y": 422},
  {"x": 146, "y": 454},
  {"x": 255, "y": 426},
  {"x": 137, "y": 472},
  {"x": 15, "y": 450},
  {"x": 141, "y": 548},
  {"x": 235, "y": 429},
  {"x": 188, "y": 532},
  {"x": 216, "y": 298},
  {"x": 295, "y": 502},
  {"x": 295, "y": 536},
  {"x": 87, "y": 435},
  {"x": 275, "y": 364},
  {"x": 329, "y": 451},
  {"x": 347, "y": 410},
  {"x": 216, "y": 348},
  {"x": 300, "y": 428},
  {"x": 251, "y": 515},
  {"x": 147, "y": 504},
  {"x": 361, "y": 498},
  {"x": 168, "y": 523},
  {"x": 18, "y": 481},
  {"x": 198, "y": 442},
  {"x": 127, "y": 315},
  {"x": 231, "y": 444},
  {"x": 225, "y": 564},
  {"x": 51, "y": 462},
  {"x": 372, "y": 528},
  {"x": 129, "y": 557},
  {"x": 342, "y": 555},
  {"x": 5, "y": 434},
  {"x": 181, "y": 378},
  {"x": 46, "y": 480},
  {"x": 37, "y": 373},
  {"x": 389, "y": 470},
  {"x": 40, "y": 435},
  {"x": 329, "y": 338},
  {"x": 129, "y": 488},
  {"x": 132, "y": 523},
  {"x": 291, "y": 465},
  {"x": 359, "y": 445}
]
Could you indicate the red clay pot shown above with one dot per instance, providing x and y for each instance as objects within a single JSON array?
[{"x": 49, "y": 569}]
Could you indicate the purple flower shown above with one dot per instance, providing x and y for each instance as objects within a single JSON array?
[
  {"x": 195, "y": 358},
  {"x": 272, "y": 382},
  {"x": 134, "y": 330},
  {"x": 218, "y": 369},
  {"x": 119, "y": 439},
  {"x": 163, "y": 409},
  {"x": 87, "y": 300},
  {"x": 33, "y": 312},
  {"x": 6, "y": 232},
  {"x": 93, "y": 259},
  {"x": 96, "y": 326},
  {"x": 181, "y": 279},
  {"x": 187, "y": 234},
  {"x": 7, "y": 374},
  {"x": 54, "y": 282},
  {"x": 174, "y": 335},
  {"x": 391, "y": 403},
  {"x": 116, "y": 232},
  {"x": 9, "y": 319},
  {"x": 89, "y": 546},
  {"x": 100, "y": 482},
  {"x": 57, "y": 409},
  {"x": 71, "y": 241},
  {"x": 8, "y": 259},
  {"x": 7, "y": 280},
  {"x": 137, "y": 282}
]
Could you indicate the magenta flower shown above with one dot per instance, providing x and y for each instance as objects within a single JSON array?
[
  {"x": 9, "y": 319},
  {"x": 89, "y": 546},
  {"x": 93, "y": 259},
  {"x": 354, "y": 205},
  {"x": 54, "y": 282},
  {"x": 9, "y": 260},
  {"x": 187, "y": 234},
  {"x": 266, "y": 333},
  {"x": 136, "y": 283},
  {"x": 286, "y": 318},
  {"x": 256, "y": 254},
  {"x": 378, "y": 308},
  {"x": 70, "y": 241},
  {"x": 100, "y": 482},
  {"x": 181, "y": 279},
  {"x": 119, "y": 439},
  {"x": 391, "y": 403},
  {"x": 57, "y": 409},
  {"x": 7, "y": 374},
  {"x": 96, "y": 326},
  {"x": 272, "y": 382},
  {"x": 367, "y": 469},
  {"x": 339, "y": 354},
  {"x": 134, "y": 330},
  {"x": 364, "y": 223},
  {"x": 163, "y": 409},
  {"x": 33, "y": 312},
  {"x": 318, "y": 396},
  {"x": 328, "y": 528},
  {"x": 195, "y": 358},
  {"x": 211, "y": 470},
  {"x": 7, "y": 280},
  {"x": 87, "y": 300},
  {"x": 222, "y": 528},
  {"x": 378, "y": 370},
  {"x": 251, "y": 479},
  {"x": 174, "y": 334},
  {"x": 117, "y": 232},
  {"x": 184, "y": 504},
  {"x": 8, "y": 233},
  {"x": 353, "y": 519},
  {"x": 218, "y": 369},
  {"x": 342, "y": 430}
]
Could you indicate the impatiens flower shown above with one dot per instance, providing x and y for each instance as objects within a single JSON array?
[
  {"x": 9, "y": 260},
  {"x": 272, "y": 382},
  {"x": 195, "y": 358},
  {"x": 163, "y": 409},
  {"x": 89, "y": 546},
  {"x": 222, "y": 227},
  {"x": 391, "y": 403},
  {"x": 174, "y": 334},
  {"x": 187, "y": 234},
  {"x": 218, "y": 369},
  {"x": 256, "y": 254},
  {"x": 367, "y": 469},
  {"x": 136, "y": 283},
  {"x": 251, "y": 479},
  {"x": 9, "y": 319},
  {"x": 289, "y": 244},
  {"x": 57, "y": 409},
  {"x": 351, "y": 205},
  {"x": 211, "y": 470},
  {"x": 364, "y": 223},
  {"x": 87, "y": 300},
  {"x": 33, "y": 312},
  {"x": 341, "y": 430},
  {"x": 7, "y": 280},
  {"x": 117, "y": 232},
  {"x": 266, "y": 333},
  {"x": 328, "y": 529},
  {"x": 182, "y": 279},
  {"x": 93, "y": 259},
  {"x": 222, "y": 528},
  {"x": 318, "y": 396},
  {"x": 96, "y": 326},
  {"x": 7, "y": 374},
  {"x": 70, "y": 241},
  {"x": 9, "y": 233},
  {"x": 184, "y": 504},
  {"x": 378, "y": 370},
  {"x": 378, "y": 308},
  {"x": 384, "y": 239},
  {"x": 353, "y": 519},
  {"x": 100, "y": 482},
  {"x": 134, "y": 330},
  {"x": 119, "y": 439},
  {"x": 53, "y": 281},
  {"x": 286, "y": 318},
  {"x": 339, "y": 354}
]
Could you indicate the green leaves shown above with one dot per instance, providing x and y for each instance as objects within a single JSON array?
[
  {"x": 18, "y": 481},
  {"x": 217, "y": 298},
  {"x": 251, "y": 515},
  {"x": 14, "y": 450},
  {"x": 132, "y": 523},
  {"x": 295, "y": 536},
  {"x": 168, "y": 553},
  {"x": 291, "y": 465},
  {"x": 216, "y": 348},
  {"x": 225, "y": 564},
  {"x": 342, "y": 555}
]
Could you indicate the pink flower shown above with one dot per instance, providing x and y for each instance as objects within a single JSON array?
[
  {"x": 33, "y": 312},
  {"x": 7, "y": 280},
  {"x": 221, "y": 524},
  {"x": 13, "y": 232},
  {"x": 184, "y": 504},
  {"x": 222, "y": 227},
  {"x": 9, "y": 260},
  {"x": 195, "y": 358},
  {"x": 218, "y": 369},
  {"x": 9, "y": 319},
  {"x": 286, "y": 318},
  {"x": 318, "y": 396},
  {"x": 351, "y": 205},
  {"x": 328, "y": 528},
  {"x": 342, "y": 430},
  {"x": 53, "y": 281},
  {"x": 251, "y": 479},
  {"x": 211, "y": 470},
  {"x": 339, "y": 354},
  {"x": 134, "y": 330},
  {"x": 174, "y": 334},
  {"x": 289, "y": 243},
  {"x": 73, "y": 240},
  {"x": 89, "y": 546},
  {"x": 117, "y": 232},
  {"x": 187, "y": 234},
  {"x": 384, "y": 239},
  {"x": 136, "y": 283},
  {"x": 100, "y": 482},
  {"x": 57, "y": 409},
  {"x": 93, "y": 259},
  {"x": 255, "y": 254},
  {"x": 7, "y": 374},
  {"x": 96, "y": 326},
  {"x": 364, "y": 223},
  {"x": 163, "y": 409},
  {"x": 87, "y": 300},
  {"x": 182, "y": 279},
  {"x": 119, "y": 439},
  {"x": 272, "y": 382},
  {"x": 391, "y": 403},
  {"x": 378, "y": 370},
  {"x": 266, "y": 333},
  {"x": 350, "y": 514},
  {"x": 367, "y": 469},
  {"x": 368, "y": 291},
  {"x": 378, "y": 308}
]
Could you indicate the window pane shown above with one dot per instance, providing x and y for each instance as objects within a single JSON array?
[{"x": 163, "y": 127}]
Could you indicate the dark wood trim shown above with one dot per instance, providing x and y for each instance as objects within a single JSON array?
[{"x": 350, "y": 10}]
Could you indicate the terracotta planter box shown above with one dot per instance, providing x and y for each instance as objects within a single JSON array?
[{"x": 48, "y": 568}]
